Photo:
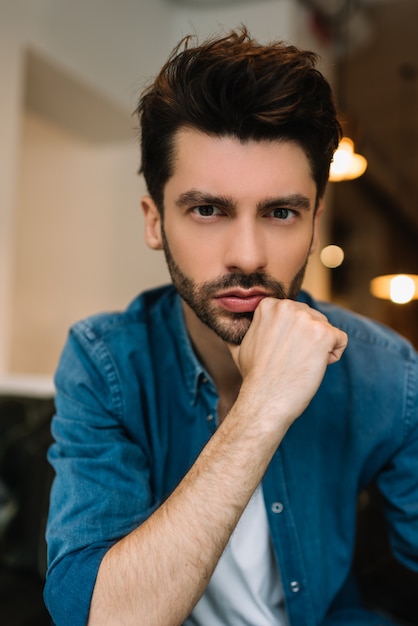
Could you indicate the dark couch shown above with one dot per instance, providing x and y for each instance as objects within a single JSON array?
[{"x": 25, "y": 480}]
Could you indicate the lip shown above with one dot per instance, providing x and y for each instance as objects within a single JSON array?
[{"x": 240, "y": 300}]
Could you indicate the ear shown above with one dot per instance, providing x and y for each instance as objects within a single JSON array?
[{"x": 152, "y": 223}]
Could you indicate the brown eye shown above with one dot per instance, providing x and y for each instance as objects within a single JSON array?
[
  {"x": 206, "y": 210},
  {"x": 282, "y": 214}
]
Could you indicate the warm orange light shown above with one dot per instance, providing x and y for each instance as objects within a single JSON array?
[
  {"x": 399, "y": 288},
  {"x": 346, "y": 163},
  {"x": 332, "y": 256}
]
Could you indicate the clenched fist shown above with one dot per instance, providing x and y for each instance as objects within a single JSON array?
[{"x": 283, "y": 358}]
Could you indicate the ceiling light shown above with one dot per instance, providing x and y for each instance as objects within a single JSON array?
[
  {"x": 332, "y": 256},
  {"x": 399, "y": 288},
  {"x": 346, "y": 164}
]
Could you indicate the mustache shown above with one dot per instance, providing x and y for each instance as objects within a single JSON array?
[{"x": 246, "y": 281}]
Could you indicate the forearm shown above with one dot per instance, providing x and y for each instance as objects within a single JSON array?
[{"x": 156, "y": 574}]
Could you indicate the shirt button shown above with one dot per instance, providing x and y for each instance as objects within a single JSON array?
[
  {"x": 277, "y": 507},
  {"x": 209, "y": 417},
  {"x": 294, "y": 586}
]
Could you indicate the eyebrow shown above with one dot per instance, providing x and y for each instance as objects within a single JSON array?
[
  {"x": 291, "y": 201},
  {"x": 193, "y": 196}
]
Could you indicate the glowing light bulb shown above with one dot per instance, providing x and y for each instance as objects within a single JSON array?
[
  {"x": 332, "y": 256},
  {"x": 402, "y": 289},
  {"x": 399, "y": 288},
  {"x": 346, "y": 164}
]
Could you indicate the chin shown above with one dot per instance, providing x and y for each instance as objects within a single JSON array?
[{"x": 232, "y": 332}]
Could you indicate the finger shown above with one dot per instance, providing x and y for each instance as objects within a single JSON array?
[{"x": 339, "y": 347}]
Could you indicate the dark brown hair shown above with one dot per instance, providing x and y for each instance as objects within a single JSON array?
[{"x": 234, "y": 86}]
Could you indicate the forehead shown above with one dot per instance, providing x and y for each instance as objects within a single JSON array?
[{"x": 228, "y": 163}]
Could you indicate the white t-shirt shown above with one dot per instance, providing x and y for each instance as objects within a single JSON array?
[{"x": 245, "y": 588}]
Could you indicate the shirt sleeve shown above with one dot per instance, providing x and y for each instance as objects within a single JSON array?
[
  {"x": 101, "y": 491},
  {"x": 398, "y": 480}
]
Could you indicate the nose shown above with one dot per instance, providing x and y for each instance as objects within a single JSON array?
[{"x": 245, "y": 249}]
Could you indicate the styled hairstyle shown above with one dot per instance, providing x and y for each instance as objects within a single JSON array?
[{"x": 234, "y": 86}]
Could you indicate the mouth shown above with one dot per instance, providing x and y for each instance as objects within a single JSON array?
[{"x": 240, "y": 300}]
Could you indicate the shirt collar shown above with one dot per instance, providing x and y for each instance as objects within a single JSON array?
[{"x": 193, "y": 370}]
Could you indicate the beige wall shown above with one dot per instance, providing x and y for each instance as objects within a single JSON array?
[
  {"x": 79, "y": 245},
  {"x": 71, "y": 238},
  {"x": 109, "y": 46}
]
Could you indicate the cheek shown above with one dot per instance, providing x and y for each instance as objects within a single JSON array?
[
  {"x": 289, "y": 254},
  {"x": 195, "y": 257}
]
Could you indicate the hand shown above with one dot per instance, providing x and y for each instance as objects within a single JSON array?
[{"x": 284, "y": 355}]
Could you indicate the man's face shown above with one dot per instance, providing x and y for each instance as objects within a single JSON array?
[{"x": 239, "y": 224}]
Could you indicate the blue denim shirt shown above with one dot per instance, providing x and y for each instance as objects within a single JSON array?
[{"x": 134, "y": 407}]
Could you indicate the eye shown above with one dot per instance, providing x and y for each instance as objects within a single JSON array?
[
  {"x": 206, "y": 210},
  {"x": 282, "y": 213}
]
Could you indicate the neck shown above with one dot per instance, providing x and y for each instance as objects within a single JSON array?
[{"x": 216, "y": 358}]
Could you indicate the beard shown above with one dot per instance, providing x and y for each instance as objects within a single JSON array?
[{"x": 231, "y": 327}]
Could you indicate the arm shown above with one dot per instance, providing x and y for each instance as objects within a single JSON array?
[{"x": 157, "y": 573}]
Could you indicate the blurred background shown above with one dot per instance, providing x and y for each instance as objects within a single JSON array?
[{"x": 71, "y": 230}]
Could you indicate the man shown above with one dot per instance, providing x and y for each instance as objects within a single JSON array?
[{"x": 211, "y": 440}]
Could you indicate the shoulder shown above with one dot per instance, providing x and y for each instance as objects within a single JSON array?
[
  {"x": 110, "y": 345},
  {"x": 107, "y": 356},
  {"x": 141, "y": 313}
]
